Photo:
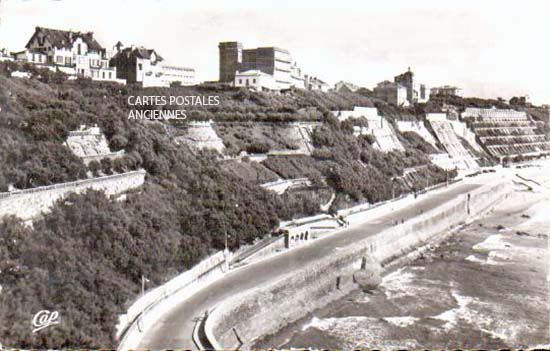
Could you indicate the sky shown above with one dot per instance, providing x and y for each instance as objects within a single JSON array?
[{"x": 489, "y": 48}]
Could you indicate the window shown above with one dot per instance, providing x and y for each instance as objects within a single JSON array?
[
  {"x": 240, "y": 81},
  {"x": 59, "y": 59},
  {"x": 110, "y": 75},
  {"x": 246, "y": 81},
  {"x": 254, "y": 80},
  {"x": 103, "y": 75},
  {"x": 33, "y": 57},
  {"x": 140, "y": 66},
  {"x": 79, "y": 49}
]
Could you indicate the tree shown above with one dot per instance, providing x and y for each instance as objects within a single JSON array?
[{"x": 94, "y": 167}]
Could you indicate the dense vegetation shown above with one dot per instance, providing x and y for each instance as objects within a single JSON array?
[
  {"x": 254, "y": 137},
  {"x": 85, "y": 258},
  {"x": 354, "y": 169}
]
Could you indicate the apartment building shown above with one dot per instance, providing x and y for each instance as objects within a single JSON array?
[
  {"x": 148, "y": 68},
  {"x": 271, "y": 60},
  {"x": 416, "y": 93}
]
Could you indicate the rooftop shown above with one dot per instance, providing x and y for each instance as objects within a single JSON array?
[{"x": 65, "y": 38}]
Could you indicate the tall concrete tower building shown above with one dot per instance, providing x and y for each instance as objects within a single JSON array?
[
  {"x": 231, "y": 59},
  {"x": 407, "y": 80},
  {"x": 271, "y": 60}
]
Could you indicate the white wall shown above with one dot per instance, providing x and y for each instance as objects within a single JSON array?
[
  {"x": 184, "y": 75},
  {"x": 151, "y": 74}
]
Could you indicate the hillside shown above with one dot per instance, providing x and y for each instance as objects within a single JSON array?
[{"x": 88, "y": 254}]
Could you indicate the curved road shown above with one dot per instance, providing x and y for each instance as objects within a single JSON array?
[{"x": 175, "y": 329}]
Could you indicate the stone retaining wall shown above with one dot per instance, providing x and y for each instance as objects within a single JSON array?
[{"x": 30, "y": 203}]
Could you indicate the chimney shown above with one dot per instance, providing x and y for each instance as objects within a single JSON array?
[{"x": 119, "y": 46}]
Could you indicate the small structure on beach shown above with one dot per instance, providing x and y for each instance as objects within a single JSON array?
[{"x": 370, "y": 274}]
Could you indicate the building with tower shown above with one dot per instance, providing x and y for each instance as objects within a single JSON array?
[
  {"x": 231, "y": 59},
  {"x": 416, "y": 93},
  {"x": 274, "y": 61}
]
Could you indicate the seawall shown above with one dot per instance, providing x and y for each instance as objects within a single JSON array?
[
  {"x": 234, "y": 323},
  {"x": 30, "y": 203}
]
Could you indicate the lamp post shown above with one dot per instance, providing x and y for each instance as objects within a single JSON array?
[
  {"x": 143, "y": 280},
  {"x": 427, "y": 180},
  {"x": 226, "y": 248},
  {"x": 225, "y": 231},
  {"x": 141, "y": 317}
]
